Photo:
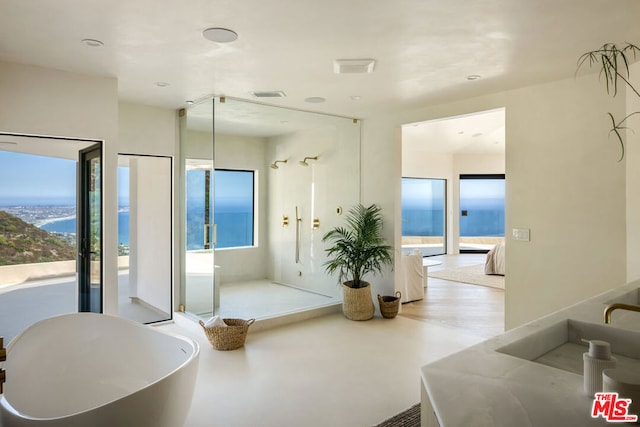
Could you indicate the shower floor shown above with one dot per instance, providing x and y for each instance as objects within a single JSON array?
[{"x": 256, "y": 299}]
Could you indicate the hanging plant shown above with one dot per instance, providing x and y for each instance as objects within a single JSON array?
[{"x": 613, "y": 62}]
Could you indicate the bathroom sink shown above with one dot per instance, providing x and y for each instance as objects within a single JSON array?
[{"x": 560, "y": 345}]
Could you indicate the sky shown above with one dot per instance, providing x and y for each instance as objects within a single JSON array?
[
  {"x": 27, "y": 178},
  {"x": 427, "y": 193}
]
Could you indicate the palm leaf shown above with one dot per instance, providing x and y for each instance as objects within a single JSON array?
[
  {"x": 614, "y": 67},
  {"x": 359, "y": 248}
]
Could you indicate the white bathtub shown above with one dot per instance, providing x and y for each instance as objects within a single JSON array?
[{"x": 87, "y": 369}]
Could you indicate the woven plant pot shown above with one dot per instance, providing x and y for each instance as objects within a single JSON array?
[
  {"x": 389, "y": 305},
  {"x": 357, "y": 303}
]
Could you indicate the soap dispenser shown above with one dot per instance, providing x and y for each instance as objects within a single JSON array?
[{"x": 595, "y": 361}]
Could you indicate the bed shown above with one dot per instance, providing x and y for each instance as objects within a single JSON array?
[{"x": 495, "y": 260}]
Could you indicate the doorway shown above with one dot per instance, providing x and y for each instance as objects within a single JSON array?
[
  {"x": 50, "y": 262},
  {"x": 145, "y": 237}
]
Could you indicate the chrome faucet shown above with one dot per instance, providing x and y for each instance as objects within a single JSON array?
[
  {"x": 611, "y": 307},
  {"x": 3, "y": 357}
]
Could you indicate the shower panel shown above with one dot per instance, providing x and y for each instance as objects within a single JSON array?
[{"x": 298, "y": 221}]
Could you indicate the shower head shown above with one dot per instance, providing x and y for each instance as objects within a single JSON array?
[
  {"x": 304, "y": 162},
  {"x": 274, "y": 165}
]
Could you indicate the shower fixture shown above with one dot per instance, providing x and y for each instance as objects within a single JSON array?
[
  {"x": 274, "y": 165},
  {"x": 304, "y": 162}
]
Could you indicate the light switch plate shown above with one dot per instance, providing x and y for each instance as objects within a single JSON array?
[{"x": 521, "y": 234}]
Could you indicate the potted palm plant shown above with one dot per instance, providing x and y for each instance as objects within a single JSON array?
[{"x": 357, "y": 250}]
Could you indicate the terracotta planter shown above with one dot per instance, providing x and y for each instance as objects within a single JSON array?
[{"x": 357, "y": 303}]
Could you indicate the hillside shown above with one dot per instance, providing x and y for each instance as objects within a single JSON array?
[{"x": 23, "y": 243}]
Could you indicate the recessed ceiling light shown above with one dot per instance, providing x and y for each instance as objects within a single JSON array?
[
  {"x": 162, "y": 84},
  {"x": 356, "y": 97},
  {"x": 315, "y": 99},
  {"x": 474, "y": 77},
  {"x": 189, "y": 102},
  {"x": 220, "y": 35},
  {"x": 475, "y": 135},
  {"x": 92, "y": 42}
]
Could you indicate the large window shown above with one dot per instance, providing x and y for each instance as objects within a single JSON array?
[
  {"x": 233, "y": 208},
  {"x": 481, "y": 212},
  {"x": 423, "y": 215}
]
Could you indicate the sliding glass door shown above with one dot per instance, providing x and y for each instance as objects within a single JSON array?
[
  {"x": 481, "y": 212},
  {"x": 423, "y": 216}
]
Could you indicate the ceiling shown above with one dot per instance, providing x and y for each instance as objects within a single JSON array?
[
  {"x": 479, "y": 133},
  {"x": 61, "y": 148},
  {"x": 424, "y": 49}
]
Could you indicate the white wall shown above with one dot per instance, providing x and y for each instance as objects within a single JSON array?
[
  {"x": 632, "y": 159},
  {"x": 153, "y": 131},
  {"x": 147, "y": 130},
  {"x": 151, "y": 231},
  {"x": 41, "y": 101},
  {"x": 318, "y": 190},
  {"x": 381, "y": 165}
]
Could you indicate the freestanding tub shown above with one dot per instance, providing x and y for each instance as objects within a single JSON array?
[{"x": 89, "y": 370}]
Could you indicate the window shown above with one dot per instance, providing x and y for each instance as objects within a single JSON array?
[
  {"x": 481, "y": 212},
  {"x": 423, "y": 215},
  {"x": 234, "y": 207}
]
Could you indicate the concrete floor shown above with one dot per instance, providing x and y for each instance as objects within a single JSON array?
[
  {"x": 331, "y": 371},
  {"x": 327, "y": 371}
]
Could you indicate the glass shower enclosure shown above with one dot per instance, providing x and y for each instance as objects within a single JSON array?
[{"x": 263, "y": 184}]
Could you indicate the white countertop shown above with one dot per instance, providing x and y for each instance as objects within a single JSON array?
[{"x": 482, "y": 387}]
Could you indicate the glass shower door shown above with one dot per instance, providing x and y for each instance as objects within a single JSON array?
[
  {"x": 199, "y": 259},
  {"x": 197, "y": 149}
]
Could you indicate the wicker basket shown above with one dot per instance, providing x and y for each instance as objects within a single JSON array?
[
  {"x": 357, "y": 303},
  {"x": 389, "y": 305},
  {"x": 228, "y": 337}
]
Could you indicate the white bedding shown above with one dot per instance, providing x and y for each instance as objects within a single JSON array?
[{"x": 495, "y": 260}]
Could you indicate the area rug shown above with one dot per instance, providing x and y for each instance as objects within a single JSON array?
[
  {"x": 408, "y": 418},
  {"x": 472, "y": 274}
]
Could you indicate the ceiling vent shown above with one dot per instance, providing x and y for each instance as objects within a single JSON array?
[
  {"x": 269, "y": 94},
  {"x": 351, "y": 66}
]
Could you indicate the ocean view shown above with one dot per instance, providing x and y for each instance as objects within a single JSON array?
[
  {"x": 484, "y": 218},
  {"x": 234, "y": 222},
  {"x": 68, "y": 225}
]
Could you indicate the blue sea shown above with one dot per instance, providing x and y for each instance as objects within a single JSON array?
[
  {"x": 484, "y": 218},
  {"x": 68, "y": 225},
  {"x": 234, "y": 223}
]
